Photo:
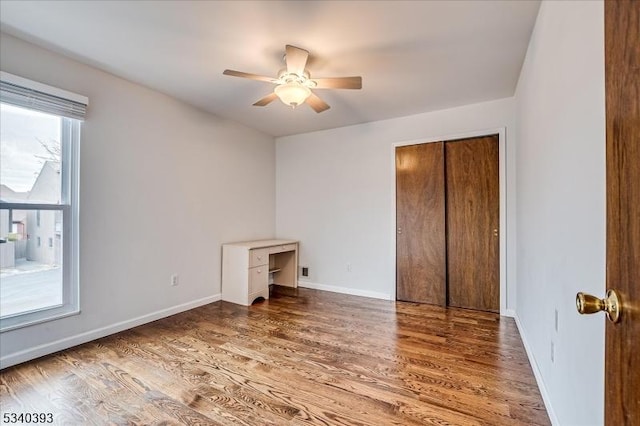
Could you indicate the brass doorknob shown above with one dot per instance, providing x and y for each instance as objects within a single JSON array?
[{"x": 588, "y": 304}]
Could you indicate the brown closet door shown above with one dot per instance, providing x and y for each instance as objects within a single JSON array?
[
  {"x": 420, "y": 226},
  {"x": 473, "y": 217}
]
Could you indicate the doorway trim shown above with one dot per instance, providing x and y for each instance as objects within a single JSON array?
[{"x": 505, "y": 241}]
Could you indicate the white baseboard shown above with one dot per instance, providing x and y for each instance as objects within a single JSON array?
[
  {"x": 536, "y": 372},
  {"x": 508, "y": 313},
  {"x": 345, "y": 290},
  {"x": 78, "y": 339}
]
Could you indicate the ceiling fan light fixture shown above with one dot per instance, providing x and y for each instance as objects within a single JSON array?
[
  {"x": 294, "y": 83},
  {"x": 292, "y": 93}
]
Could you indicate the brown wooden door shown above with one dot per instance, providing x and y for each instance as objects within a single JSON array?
[
  {"x": 420, "y": 226},
  {"x": 473, "y": 218},
  {"x": 622, "y": 54}
]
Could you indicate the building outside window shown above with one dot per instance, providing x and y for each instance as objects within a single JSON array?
[{"x": 39, "y": 153}]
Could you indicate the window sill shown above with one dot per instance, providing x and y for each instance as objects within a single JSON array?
[{"x": 34, "y": 318}]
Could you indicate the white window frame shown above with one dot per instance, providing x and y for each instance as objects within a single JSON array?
[{"x": 69, "y": 205}]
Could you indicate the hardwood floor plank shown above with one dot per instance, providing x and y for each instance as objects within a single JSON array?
[{"x": 304, "y": 357}]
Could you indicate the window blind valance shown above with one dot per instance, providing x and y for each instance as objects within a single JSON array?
[{"x": 25, "y": 93}]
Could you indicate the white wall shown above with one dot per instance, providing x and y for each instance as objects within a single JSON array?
[
  {"x": 334, "y": 192},
  {"x": 561, "y": 205},
  {"x": 162, "y": 186}
]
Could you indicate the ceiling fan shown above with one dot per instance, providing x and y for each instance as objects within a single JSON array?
[{"x": 294, "y": 83}]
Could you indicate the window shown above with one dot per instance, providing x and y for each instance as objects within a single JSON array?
[{"x": 39, "y": 153}]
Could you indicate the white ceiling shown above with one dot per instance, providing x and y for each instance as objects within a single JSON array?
[{"x": 413, "y": 56}]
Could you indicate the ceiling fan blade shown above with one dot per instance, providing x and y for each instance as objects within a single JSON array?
[
  {"x": 266, "y": 100},
  {"x": 296, "y": 59},
  {"x": 249, "y": 76},
  {"x": 316, "y": 103},
  {"x": 339, "y": 83}
]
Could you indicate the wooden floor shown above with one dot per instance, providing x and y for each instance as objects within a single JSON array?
[{"x": 303, "y": 357}]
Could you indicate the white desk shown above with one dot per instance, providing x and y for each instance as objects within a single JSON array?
[{"x": 247, "y": 267}]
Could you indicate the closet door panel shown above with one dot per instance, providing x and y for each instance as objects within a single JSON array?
[
  {"x": 473, "y": 218},
  {"x": 420, "y": 224}
]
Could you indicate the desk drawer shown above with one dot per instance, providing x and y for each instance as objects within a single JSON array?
[
  {"x": 282, "y": 248},
  {"x": 258, "y": 257},
  {"x": 258, "y": 278}
]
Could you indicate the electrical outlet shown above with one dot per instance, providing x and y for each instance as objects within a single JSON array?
[
  {"x": 348, "y": 267},
  {"x": 553, "y": 352},
  {"x": 556, "y": 320},
  {"x": 174, "y": 280},
  {"x": 305, "y": 271}
]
